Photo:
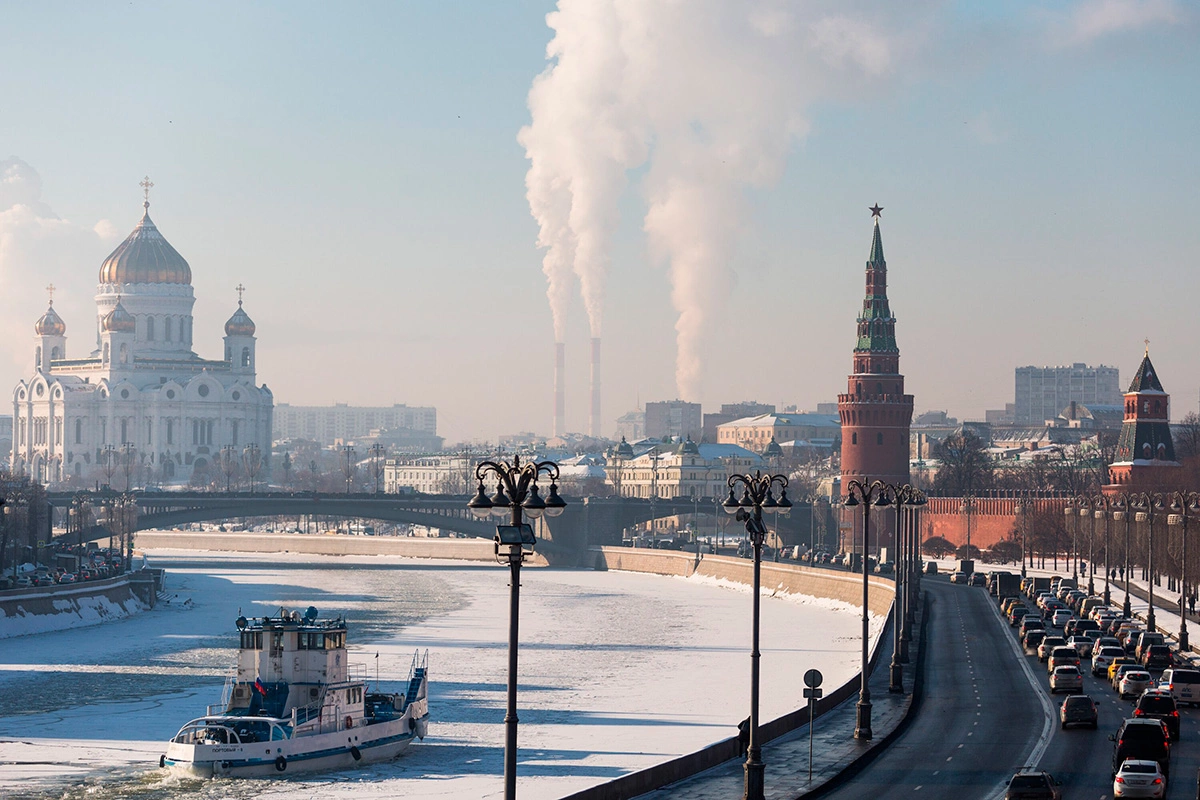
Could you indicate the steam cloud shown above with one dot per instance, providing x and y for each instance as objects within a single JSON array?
[{"x": 710, "y": 94}]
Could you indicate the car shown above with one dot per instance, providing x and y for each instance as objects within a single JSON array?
[
  {"x": 1118, "y": 668},
  {"x": 1034, "y": 638},
  {"x": 1030, "y": 785},
  {"x": 1133, "y": 683},
  {"x": 1082, "y": 645},
  {"x": 1160, "y": 705},
  {"x": 66, "y": 577},
  {"x": 885, "y": 568},
  {"x": 931, "y": 568},
  {"x": 1078, "y": 709},
  {"x": 1030, "y": 623},
  {"x": 1062, "y": 656},
  {"x": 1103, "y": 657},
  {"x": 1157, "y": 656},
  {"x": 958, "y": 577},
  {"x": 1139, "y": 778},
  {"x": 1060, "y": 617},
  {"x": 1183, "y": 684},
  {"x": 1048, "y": 644},
  {"x": 1016, "y": 615},
  {"x": 1141, "y": 739},
  {"x": 1145, "y": 640},
  {"x": 1066, "y": 678},
  {"x": 1108, "y": 641},
  {"x": 977, "y": 579}
]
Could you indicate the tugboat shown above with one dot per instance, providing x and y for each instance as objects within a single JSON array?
[{"x": 295, "y": 706}]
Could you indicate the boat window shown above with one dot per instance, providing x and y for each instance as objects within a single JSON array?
[
  {"x": 335, "y": 640},
  {"x": 278, "y": 733},
  {"x": 252, "y": 640},
  {"x": 276, "y": 642}
]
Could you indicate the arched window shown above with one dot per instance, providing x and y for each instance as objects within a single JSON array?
[
  {"x": 854, "y": 438},
  {"x": 106, "y": 352},
  {"x": 167, "y": 328},
  {"x": 55, "y": 352},
  {"x": 233, "y": 426},
  {"x": 170, "y": 431},
  {"x": 150, "y": 329},
  {"x": 245, "y": 356},
  {"x": 124, "y": 353},
  {"x": 1146, "y": 450},
  {"x": 78, "y": 431},
  {"x": 124, "y": 431},
  {"x": 38, "y": 357}
]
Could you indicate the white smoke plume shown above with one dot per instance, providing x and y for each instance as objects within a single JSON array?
[{"x": 712, "y": 95}]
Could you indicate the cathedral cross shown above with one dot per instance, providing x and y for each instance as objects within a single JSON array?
[
  {"x": 50, "y": 289},
  {"x": 1147, "y": 346},
  {"x": 146, "y": 185},
  {"x": 239, "y": 288}
]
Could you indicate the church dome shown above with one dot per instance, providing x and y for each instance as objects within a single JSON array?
[
  {"x": 118, "y": 320},
  {"x": 240, "y": 323},
  {"x": 145, "y": 257},
  {"x": 50, "y": 323}
]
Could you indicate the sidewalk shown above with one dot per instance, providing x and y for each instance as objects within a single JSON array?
[{"x": 834, "y": 748}]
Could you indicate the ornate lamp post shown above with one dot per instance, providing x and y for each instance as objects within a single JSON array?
[
  {"x": 1085, "y": 512},
  {"x": 516, "y": 495},
  {"x": 1123, "y": 502},
  {"x": 1146, "y": 504},
  {"x": 1102, "y": 504},
  {"x": 1181, "y": 504},
  {"x": 757, "y": 494},
  {"x": 348, "y": 450},
  {"x": 1073, "y": 520},
  {"x": 1020, "y": 510},
  {"x": 903, "y": 498},
  {"x": 860, "y": 493},
  {"x": 912, "y": 572}
]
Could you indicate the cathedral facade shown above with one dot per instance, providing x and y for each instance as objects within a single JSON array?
[{"x": 141, "y": 404}]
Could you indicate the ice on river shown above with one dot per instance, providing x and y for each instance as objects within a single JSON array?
[{"x": 618, "y": 671}]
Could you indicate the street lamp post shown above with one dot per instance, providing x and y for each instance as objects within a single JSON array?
[
  {"x": 1146, "y": 504},
  {"x": 864, "y": 494},
  {"x": 516, "y": 494},
  {"x": 757, "y": 494},
  {"x": 904, "y": 498},
  {"x": 1102, "y": 503},
  {"x": 349, "y": 451},
  {"x": 1085, "y": 512},
  {"x": 1181, "y": 504},
  {"x": 1073, "y": 516},
  {"x": 911, "y": 570}
]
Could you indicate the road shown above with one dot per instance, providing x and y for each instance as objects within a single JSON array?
[{"x": 981, "y": 718}]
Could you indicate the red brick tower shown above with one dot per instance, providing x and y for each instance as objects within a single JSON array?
[
  {"x": 875, "y": 411},
  {"x": 1145, "y": 458}
]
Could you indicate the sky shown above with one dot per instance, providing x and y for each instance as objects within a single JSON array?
[{"x": 398, "y": 184}]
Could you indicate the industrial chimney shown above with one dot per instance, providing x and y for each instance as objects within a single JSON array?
[
  {"x": 560, "y": 402},
  {"x": 594, "y": 427}
]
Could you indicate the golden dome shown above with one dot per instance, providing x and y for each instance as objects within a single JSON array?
[
  {"x": 145, "y": 257},
  {"x": 240, "y": 323},
  {"x": 50, "y": 323},
  {"x": 118, "y": 320}
]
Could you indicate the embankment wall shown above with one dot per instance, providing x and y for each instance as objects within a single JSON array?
[{"x": 52, "y": 608}]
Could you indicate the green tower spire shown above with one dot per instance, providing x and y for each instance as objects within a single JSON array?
[{"x": 876, "y": 325}]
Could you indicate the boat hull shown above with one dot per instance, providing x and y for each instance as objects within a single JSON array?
[{"x": 343, "y": 749}]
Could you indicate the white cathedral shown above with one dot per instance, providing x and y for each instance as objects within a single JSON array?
[{"x": 142, "y": 396}]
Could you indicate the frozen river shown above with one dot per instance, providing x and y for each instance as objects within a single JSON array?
[{"x": 618, "y": 671}]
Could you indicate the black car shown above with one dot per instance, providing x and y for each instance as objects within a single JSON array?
[
  {"x": 1033, "y": 786},
  {"x": 1159, "y": 705},
  {"x": 1143, "y": 739},
  {"x": 1078, "y": 709},
  {"x": 1032, "y": 639},
  {"x": 1157, "y": 656}
]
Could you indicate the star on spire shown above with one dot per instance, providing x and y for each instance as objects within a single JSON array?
[{"x": 875, "y": 210}]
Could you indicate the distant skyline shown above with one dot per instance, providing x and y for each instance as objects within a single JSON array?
[{"x": 358, "y": 169}]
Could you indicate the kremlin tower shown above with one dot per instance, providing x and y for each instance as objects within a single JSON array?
[
  {"x": 1145, "y": 457},
  {"x": 875, "y": 412}
]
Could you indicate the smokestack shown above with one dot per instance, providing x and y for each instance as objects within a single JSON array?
[
  {"x": 560, "y": 401},
  {"x": 595, "y": 419}
]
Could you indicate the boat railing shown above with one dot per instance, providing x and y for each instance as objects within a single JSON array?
[
  {"x": 226, "y": 696},
  {"x": 356, "y": 671}
]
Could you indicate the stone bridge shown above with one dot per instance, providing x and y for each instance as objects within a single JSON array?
[{"x": 586, "y": 522}]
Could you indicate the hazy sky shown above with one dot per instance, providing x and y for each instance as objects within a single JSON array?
[{"x": 357, "y": 167}]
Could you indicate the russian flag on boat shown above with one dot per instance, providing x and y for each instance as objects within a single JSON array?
[{"x": 260, "y": 687}]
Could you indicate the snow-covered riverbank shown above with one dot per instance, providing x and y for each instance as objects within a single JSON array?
[{"x": 618, "y": 671}]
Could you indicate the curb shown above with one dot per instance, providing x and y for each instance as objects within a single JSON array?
[{"x": 876, "y": 749}]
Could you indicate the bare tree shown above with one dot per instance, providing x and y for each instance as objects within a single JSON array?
[{"x": 966, "y": 469}]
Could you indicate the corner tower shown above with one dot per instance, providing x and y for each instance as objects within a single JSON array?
[{"x": 875, "y": 411}]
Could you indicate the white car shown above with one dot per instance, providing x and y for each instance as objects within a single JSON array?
[
  {"x": 1138, "y": 778},
  {"x": 1066, "y": 678},
  {"x": 1183, "y": 684},
  {"x": 1133, "y": 683},
  {"x": 1082, "y": 645},
  {"x": 1061, "y": 617},
  {"x": 1102, "y": 658}
]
